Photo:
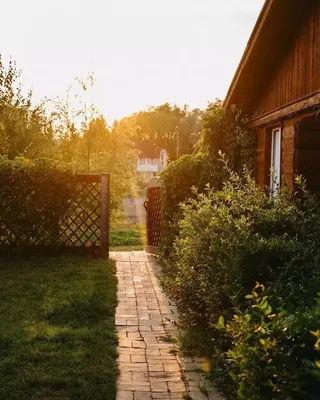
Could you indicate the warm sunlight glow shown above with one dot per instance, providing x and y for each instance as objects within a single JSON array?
[{"x": 143, "y": 52}]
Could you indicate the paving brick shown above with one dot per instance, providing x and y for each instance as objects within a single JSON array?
[
  {"x": 139, "y": 367},
  {"x": 138, "y": 358},
  {"x": 139, "y": 344},
  {"x": 142, "y": 396},
  {"x": 134, "y": 386},
  {"x": 125, "y": 343},
  {"x": 124, "y": 357},
  {"x": 176, "y": 386},
  {"x": 125, "y": 395},
  {"x": 159, "y": 387},
  {"x": 152, "y": 352},
  {"x": 140, "y": 376},
  {"x": 164, "y": 396},
  {"x": 155, "y": 367}
]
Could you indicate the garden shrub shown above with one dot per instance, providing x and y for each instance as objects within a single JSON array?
[
  {"x": 178, "y": 179},
  {"x": 274, "y": 353},
  {"x": 34, "y": 195},
  {"x": 226, "y": 130},
  {"x": 231, "y": 238},
  {"x": 223, "y": 131}
]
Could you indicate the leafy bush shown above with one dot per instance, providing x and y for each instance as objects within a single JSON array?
[
  {"x": 34, "y": 195},
  {"x": 226, "y": 130},
  {"x": 274, "y": 354},
  {"x": 178, "y": 180},
  {"x": 228, "y": 240},
  {"x": 222, "y": 131}
]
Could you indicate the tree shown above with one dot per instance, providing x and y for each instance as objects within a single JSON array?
[
  {"x": 24, "y": 129},
  {"x": 71, "y": 117},
  {"x": 170, "y": 127},
  {"x": 95, "y": 140}
]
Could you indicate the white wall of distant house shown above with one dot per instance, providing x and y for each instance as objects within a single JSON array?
[{"x": 148, "y": 165}]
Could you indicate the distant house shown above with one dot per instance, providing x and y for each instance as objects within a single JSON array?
[
  {"x": 278, "y": 84},
  {"x": 151, "y": 162}
]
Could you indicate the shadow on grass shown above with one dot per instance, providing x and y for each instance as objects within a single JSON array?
[{"x": 57, "y": 334}]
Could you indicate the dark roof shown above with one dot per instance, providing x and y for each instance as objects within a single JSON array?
[
  {"x": 277, "y": 27},
  {"x": 148, "y": 149}
]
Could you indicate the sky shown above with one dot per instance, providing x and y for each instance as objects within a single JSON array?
[{"x": 142, "y": 52}]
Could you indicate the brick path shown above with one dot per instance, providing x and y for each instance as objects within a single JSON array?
[{"x": 150, "y": 367}]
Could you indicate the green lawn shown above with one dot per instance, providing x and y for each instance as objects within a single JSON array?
[
  {"x": 130, "y": 237},
  {"x": 57, "y": 333}
]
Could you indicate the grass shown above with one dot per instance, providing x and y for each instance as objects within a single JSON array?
[
  {"x": 57, "y": 333},
  {"x": 131, "y": 237}
]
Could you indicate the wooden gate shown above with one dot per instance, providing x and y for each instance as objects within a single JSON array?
[{"x": 154, "y": 207}]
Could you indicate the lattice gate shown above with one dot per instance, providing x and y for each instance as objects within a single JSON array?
[{"x": 154, "y": 207}]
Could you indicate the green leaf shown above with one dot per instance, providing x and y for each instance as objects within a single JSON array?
[
  {"x": 221, "y": 321},
  {"x": 233, "y": 377},
  {"x": 268, "y": 310}
]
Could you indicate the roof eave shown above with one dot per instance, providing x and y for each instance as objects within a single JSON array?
[{"x": 228, "y": 102}]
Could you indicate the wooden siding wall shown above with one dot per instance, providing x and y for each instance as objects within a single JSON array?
[
  {"x": 299, "y": 73},
  {"x": 287, "y": 154},
  {"x": 263, "y": 156},
  {"x": 300, "y": 151},
  {"x": 307, "y": 152}
]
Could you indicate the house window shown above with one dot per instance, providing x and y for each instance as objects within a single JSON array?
[{"x": 275, "y": 174}]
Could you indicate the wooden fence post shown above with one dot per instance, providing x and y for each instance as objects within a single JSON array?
[{"x": 105, "y": 216}]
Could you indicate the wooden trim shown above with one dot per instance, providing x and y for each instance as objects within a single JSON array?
[
  {"x": 88, "y": 178},
  {"x": 105, "y": 216},
  {"x": 267, "y": 160},
  {"x": 299, "y": 106},
  {"x": 276, "y": 145},
  {"x": 248, "y": 50}
]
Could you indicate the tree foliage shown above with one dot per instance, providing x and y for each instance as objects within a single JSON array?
[
  {"x": 168, "y": 126},
  {"x": 24, "y": 128},
  {"x": 69, "y": 130}
]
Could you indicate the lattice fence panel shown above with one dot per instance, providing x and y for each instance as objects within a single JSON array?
[
  {"x": 87, "y": 211},
  {"x": 154, "y": 215},
  {"x": 81, "y": 224}
]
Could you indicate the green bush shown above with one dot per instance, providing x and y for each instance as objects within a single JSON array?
[
  {"x": 226, "y": 130},
  {"x": 228, "y": 240},
  {"x": 34, "y": 195},
  {"x": 274, "y": 353},
  {"x": 178, "y": 179},
  {"x": 223, "y": 131}
]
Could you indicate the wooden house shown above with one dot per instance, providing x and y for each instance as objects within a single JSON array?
[{"x": 278, "y": 85}]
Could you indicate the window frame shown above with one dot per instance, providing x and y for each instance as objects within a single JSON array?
[{"x": 275, "y": 159}]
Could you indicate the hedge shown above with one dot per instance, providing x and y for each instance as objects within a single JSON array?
[
  {"x": 228, "y": 240},
  {"x": 34, "y": 195}
]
